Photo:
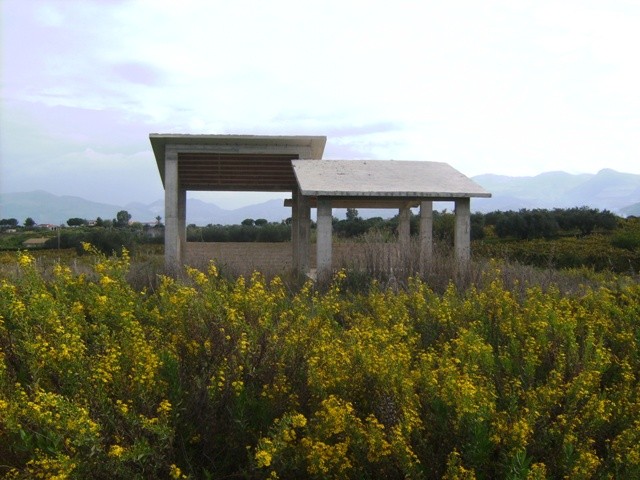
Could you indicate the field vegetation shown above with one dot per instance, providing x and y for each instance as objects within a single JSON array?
[
  {"x": 558, "y": 238},
  {"x": 495, "y": 373}
]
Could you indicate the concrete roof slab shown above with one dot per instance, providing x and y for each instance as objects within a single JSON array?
[{"x": 384, "y": 178}]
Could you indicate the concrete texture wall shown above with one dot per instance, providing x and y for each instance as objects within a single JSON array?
[{"x": 275, "y": 258}]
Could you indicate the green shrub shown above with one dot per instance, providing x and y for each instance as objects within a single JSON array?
[{"x": 211, "y": 378}]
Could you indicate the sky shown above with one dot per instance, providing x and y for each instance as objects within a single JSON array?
[{"x": 506, "y": 87}]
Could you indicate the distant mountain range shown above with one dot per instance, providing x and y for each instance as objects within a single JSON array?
[
  {"x": 608, "y": 189},
  {"x": 45, "y": 207}
]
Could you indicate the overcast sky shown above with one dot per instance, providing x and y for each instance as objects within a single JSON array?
[{"x": 508, "y": 87}]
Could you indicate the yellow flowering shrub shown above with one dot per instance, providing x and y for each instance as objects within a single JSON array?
[{"x": 206, "y": 377}]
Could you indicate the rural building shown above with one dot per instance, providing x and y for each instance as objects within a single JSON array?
[
  {"x": 35, "y": 242},
  {"x": 294, "y": 164}
]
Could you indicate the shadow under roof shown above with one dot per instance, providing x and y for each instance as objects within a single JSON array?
[
  {"x": 384, "y": 179},
  {"x": 235, "y": 162}
]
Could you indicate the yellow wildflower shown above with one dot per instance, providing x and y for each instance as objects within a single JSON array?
[
  {"x": 116, "y": 451},
  {"x": 175, "y": 472},
  {"x": 164, "y": 407}
]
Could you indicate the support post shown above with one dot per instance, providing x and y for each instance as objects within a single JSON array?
[
  {"x": 172, "y": 250},
  {"x": 300, "y": 226},
  {"x": 295, "y": 230},
  {"x": 182, "y": 223},
  {"x": 404, "y": 241},
  {"x": 404, "y": 227},
  {"x": 426, "y": 234},
  {"x": 304, "y": 233},
  {"x": 462, "y": 238},
  {"x": 324, "y": 240}
]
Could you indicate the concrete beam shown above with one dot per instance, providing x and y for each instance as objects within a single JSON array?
[
  {"x": 426, "y": 234},
  {"x": 361, "y": 202},
  {"x": 324, "y": 240},
  {"x": 462, "y": 237}
]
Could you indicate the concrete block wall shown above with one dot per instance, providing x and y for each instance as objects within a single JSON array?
[{"x": 275, "y": 258}]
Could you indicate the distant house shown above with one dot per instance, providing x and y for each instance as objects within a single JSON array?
[
  {"x": 47, "y": 226},
  {"x": 34, "y": 242}
]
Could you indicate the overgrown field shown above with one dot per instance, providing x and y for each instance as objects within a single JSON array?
[{"x": 212, "y": 378}]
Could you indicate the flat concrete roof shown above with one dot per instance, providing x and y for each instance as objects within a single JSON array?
[
  {"x": 253, "y": 145},
  {"x": 384, "y": 178}
]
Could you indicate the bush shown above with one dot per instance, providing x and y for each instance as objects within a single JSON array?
[
  {"x": 628, "y": 237},
  {"x": 596, "y": 252},
  {"x": 108, "y": 241},
  {"x": 222, "y": 379},
  {"x": 249, "y": 231}
]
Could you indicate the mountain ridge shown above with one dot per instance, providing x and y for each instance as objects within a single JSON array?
[{"x": 608, "y": 189}]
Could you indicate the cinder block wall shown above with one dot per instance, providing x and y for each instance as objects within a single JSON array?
[
  {"x": 275, "y": 258},
  {"x": 242, "y": 257}
]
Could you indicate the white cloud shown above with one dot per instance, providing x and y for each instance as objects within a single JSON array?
[{"x": 496, "y": 86}]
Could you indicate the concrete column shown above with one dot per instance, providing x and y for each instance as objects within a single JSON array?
[
  {"x": 404, "y": 228},
  {"x": 426, "y": 234},
  {"x": 304, "y": 233},
  {"x": 182, "y": 222},
  {"x": 462, "y": 238},
  {"x": 324, "y": 233},
  {"x": 300, "y": 232},
  {"x": 172, "y": 251},
  {"x": 295, "y": 239}
]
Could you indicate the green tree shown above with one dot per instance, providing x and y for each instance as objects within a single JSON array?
[
  {"x": 352, "y": 214},
  {"x": 76, "y": 222},
  {"x": 585, "y": 219},
  {"x": 249, "y": 222},
  {"x": 29, "y": 222},
  {"x": 100, "y": 222},
  {"x": 9, "y": 222},
  {"x": 122, "y": 219}
]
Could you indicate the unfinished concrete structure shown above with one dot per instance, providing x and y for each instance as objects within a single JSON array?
[
  {"x": 387, "y": 184},
  {"x": 242, "y": 163},
  {"x": 293, "y": 164}
]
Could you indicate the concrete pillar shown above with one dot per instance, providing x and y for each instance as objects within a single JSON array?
[
  {"x": 426, "y": 234},
  {"x": 295, "y": 239},
  {"x": 182, "y": 222},
  {"x": 324, "y": 233},
  {"x": 404, "y": 228},
  {"x": 300, "y": 232},
  {"x": 462, "y": 238},
  {"x": 172, "y": 250},
  {"x": 304, "y": 233}
]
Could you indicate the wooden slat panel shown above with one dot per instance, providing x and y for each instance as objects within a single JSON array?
[{"x": 230, "y": 171}]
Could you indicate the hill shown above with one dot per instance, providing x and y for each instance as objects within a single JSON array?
[
  {"x": 608, "y": 189},
  {"x": 45, "y": 207}
]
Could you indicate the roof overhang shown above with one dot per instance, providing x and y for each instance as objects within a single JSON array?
[
  {"x": 235, "y": 162},
  {"x": 383, "y": 179},
  {"x": 362, "y": 202}
]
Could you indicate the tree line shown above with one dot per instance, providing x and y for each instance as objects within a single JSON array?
[
  {"x": 524, "y": 224},
  {"x": 528, "y": 224}
]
